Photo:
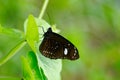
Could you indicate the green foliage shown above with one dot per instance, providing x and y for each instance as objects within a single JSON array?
[
  {"x": 31, "y": 31},
  {"x": 34, "y": 68},
  {"x": 11, "y": 32},
  {"x": 31, "y": 69},
  {"x": 92, "y": 25}
]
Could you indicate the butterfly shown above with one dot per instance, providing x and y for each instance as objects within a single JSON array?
[{"x": 54, "y": 46}]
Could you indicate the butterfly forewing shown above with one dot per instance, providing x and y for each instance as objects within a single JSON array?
[
  {"x": 55, "y": 46},
  {"x": 51, "y": 50}
]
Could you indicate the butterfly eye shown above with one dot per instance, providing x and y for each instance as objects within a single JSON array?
[{"x": 54, "y": 46}]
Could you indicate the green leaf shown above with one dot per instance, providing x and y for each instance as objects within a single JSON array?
[
  {"x": 12, "y": 32},
  {"x": 52, "y": 68},
  {"x": 31, "y": 31},
  {"x": 30, "y": 68}
]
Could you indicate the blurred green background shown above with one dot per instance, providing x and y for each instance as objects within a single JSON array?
[{"x": 92, "y": 25}]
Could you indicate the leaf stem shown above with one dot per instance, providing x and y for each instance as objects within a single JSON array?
[
  {"x": 12, "y": 52},
  {"x": 43, "y": 9}
]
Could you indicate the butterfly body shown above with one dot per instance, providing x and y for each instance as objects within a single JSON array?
[{"x": 54, "y": 46}]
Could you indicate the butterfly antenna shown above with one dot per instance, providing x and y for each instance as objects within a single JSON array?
[{"x": 43, "y": 30}]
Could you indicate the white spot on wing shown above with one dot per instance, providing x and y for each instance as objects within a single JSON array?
[
  {"x": 74, "y": 54},
  {"x": 65, "y": 51},
  {"x": 75, "y": 51},
  {"x": 68, "y": 44}
]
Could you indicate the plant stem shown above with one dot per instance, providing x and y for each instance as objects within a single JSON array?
[
  {"x": 12, "y": 52},
  {"x": 43, "y": 9}
]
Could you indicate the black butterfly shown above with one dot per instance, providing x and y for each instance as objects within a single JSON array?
[{"x": 54, "y": 46}]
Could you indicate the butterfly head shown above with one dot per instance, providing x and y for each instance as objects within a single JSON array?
[{"x": 49, "y": 31}]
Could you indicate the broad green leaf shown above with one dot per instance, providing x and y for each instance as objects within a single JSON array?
[
  {"x": 30, "y": 68},
  {"x": 51, "y": 68},
  {"x": 31, "y": 31},
  {"x": 12, "y": 32}
]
